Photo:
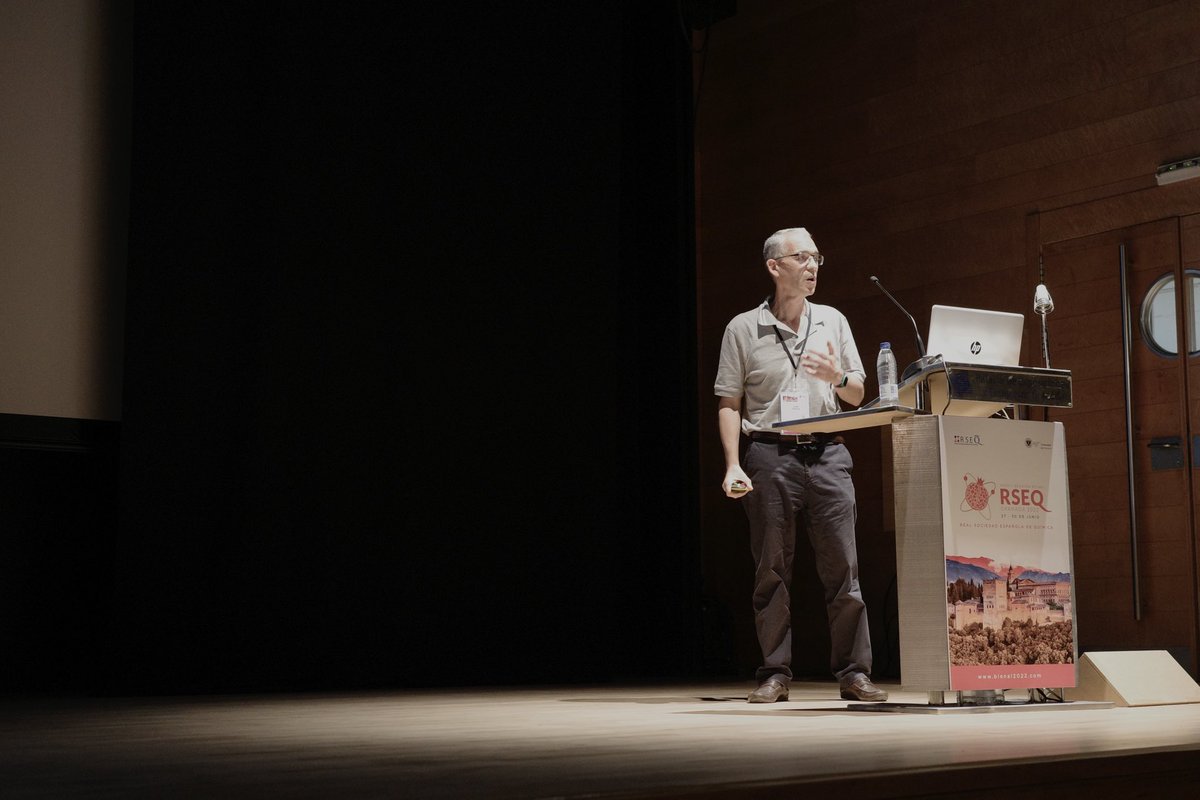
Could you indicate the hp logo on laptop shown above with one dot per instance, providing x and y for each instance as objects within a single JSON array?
[{"x": 975, "y": 348}]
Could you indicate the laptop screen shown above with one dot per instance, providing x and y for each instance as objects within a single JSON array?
[{"x": 976, "y": 336}]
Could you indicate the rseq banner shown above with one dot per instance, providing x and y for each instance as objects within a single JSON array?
[{"x": 1009, "y": 597}]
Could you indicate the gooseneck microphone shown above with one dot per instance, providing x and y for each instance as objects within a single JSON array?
[
  {"x": 920, "y": 342},
  {"x": 923, "y": 360}
]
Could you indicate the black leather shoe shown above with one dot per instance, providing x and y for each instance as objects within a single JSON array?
[
  {"x": 769, "y": 691},
  {"x": 862, "y": 689}
]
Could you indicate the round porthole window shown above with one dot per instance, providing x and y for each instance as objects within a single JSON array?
[{"x": 1159, "y": 331}]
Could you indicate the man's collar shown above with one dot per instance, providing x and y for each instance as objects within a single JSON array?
[{"x": 767, "y": 318}]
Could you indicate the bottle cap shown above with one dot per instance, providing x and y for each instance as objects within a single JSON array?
[{"x": 888, "y": 345}]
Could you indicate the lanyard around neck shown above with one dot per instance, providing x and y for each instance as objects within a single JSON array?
[{"x": 803, "y": 342}]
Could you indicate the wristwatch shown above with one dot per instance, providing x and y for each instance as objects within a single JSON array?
[{"x": 844, "y": 381}]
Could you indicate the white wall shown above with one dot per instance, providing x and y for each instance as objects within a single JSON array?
[{"x": 63, "y": 207}]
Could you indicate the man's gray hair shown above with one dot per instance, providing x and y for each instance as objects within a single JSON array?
[{"x": 777, "y": 242}]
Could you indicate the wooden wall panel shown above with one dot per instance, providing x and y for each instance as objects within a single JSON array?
[
  {"x": 938, "y": 146},
  {"x": 1189, "y": 240},
  {"x": 959, "y": 107},
  {"x": 997, "y": 148}
]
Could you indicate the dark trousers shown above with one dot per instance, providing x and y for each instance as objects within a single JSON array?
[{"x": 811, "y": 483}]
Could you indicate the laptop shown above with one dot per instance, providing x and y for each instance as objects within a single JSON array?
[{"x": 975, "y": 336}]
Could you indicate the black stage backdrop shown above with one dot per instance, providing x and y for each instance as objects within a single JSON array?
[{"x": 409, "y": 394}]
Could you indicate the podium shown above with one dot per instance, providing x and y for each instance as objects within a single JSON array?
[{"x": 983, "y": 537}]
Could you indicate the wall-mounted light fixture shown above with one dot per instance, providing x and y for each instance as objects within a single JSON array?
[{"x": 1174, "y": 171}]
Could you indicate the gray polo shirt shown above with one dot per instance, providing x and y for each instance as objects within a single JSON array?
[{"x": 755, "y": 366}]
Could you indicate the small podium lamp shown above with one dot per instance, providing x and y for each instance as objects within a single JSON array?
[{"x": 1043, "y": 305}]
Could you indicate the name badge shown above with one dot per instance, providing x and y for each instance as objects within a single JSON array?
[{"x": 793, "y": 403}]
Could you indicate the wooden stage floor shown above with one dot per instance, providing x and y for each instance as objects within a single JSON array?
[{"x": 672, "y": 741}]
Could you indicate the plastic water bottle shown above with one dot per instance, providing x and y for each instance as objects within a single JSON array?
[{"x": 885, "y": 369}]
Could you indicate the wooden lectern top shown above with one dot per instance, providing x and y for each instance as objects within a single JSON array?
[{"x": 874, "y": 417}]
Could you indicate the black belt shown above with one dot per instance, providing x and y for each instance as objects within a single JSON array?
[{"x": 821, "y": 439}]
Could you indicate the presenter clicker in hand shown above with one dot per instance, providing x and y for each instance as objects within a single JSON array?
[{"x": 791, "y": 359}]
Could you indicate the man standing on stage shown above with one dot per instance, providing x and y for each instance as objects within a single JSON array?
[{"x": 791, "y": 359}]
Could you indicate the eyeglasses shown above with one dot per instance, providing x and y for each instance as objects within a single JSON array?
[{"x": 805, "y": 258}]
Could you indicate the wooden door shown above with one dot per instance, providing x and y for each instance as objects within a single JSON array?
[
  {"x": 1135, "y": 572},
  {"x": 1189, "y": 251}
]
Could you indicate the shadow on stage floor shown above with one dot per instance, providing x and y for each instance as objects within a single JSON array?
[{"x": 700, "y": 741}]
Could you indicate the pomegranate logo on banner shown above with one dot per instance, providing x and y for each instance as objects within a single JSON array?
[{"x": 977, "y": 495}]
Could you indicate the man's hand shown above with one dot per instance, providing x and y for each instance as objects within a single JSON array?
[
  {"x": 736, "y": 484},
  {"x": 823, "y": 366}
]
